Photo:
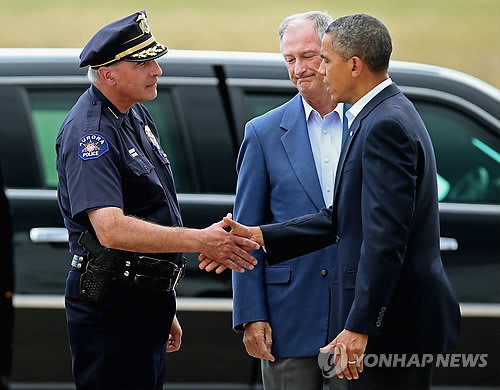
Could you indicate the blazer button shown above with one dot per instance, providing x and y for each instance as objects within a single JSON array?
[
  {"x": 324, "y": 272},
  {"x": 337, "y": 239}
]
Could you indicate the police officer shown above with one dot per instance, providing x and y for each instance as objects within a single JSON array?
[{"x": 116, "y": 184}]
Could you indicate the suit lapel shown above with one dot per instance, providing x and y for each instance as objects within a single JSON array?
[
  {"x": 387, "y": 92},
  {"x": 298, "y": 149}
]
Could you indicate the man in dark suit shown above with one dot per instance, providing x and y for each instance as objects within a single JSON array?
[{"x": 391, "y": 293}]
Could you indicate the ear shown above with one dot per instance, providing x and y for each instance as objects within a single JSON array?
[
  {"x": 357, "y": 66},
  {"x": 107, "y": 75}
]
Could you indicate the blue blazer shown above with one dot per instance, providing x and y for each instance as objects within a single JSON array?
[
  {"x": 277, "y": 180},
  {"x": 389, "y": 280}
]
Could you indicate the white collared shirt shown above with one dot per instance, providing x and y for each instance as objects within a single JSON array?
[
  {"x": 356, "y": 108},
  {"x": 325, "y": 135}
]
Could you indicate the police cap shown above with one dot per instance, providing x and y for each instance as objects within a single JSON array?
[{"x": 127, "y": 39}]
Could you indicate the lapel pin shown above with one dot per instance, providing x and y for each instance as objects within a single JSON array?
[{"x": 351, "y": 133}]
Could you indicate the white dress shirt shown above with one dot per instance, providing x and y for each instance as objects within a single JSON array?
[
  {"x": 325, "y": 135},
  {"x": 356, "y": 108}
]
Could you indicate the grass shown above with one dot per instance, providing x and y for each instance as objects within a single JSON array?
[{"x": 458, "y": 34}]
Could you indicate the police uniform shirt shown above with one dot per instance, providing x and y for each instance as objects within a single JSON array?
[{"x": 109, "y": 159}]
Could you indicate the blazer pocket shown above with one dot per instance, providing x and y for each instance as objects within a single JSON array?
[
  {"x": 350, "y": 279},
  {"x": 277, "y": 275}
]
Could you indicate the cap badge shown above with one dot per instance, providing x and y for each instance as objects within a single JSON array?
[{"x": 143, "y": 23}]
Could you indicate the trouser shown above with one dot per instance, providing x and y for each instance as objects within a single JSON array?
[
  {"x": 297, "y": 373},
  {"x": 121, "y": 343},
  {"x": 393, "y": 378}
]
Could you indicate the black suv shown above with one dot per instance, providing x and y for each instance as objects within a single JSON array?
[{"x": 204, "y": 100}]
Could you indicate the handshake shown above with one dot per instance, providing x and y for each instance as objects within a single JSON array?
[{"x": 232, "y": 251}]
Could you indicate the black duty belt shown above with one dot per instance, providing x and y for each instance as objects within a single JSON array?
[{"x": 102, "y": 265}]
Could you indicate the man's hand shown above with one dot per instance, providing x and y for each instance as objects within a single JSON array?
[
  {"x": 175, "y": 336},
  {"x": 353, "y": 345},
  {"x": 227, "y": 249},
  {"x": 258, "y": 340},
  {"x": 252, "y": 233}
]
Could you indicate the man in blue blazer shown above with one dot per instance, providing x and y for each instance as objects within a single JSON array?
[
  {"x": 391, "y": 293},
  {"x": 284, "y": 310}
]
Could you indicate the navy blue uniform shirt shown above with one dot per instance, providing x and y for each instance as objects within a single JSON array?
[{"x": 109, "y": 159}]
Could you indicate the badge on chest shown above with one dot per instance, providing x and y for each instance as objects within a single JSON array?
[{"x": 154, "y": 142}]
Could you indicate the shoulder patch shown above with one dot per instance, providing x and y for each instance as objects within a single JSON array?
[{"x": 92, "y": 146}]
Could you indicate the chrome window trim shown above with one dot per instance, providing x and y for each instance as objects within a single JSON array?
[
  {"x": 39, "y": 194},
  {"x": 469, "y": 209},
  {"x": 228, "y": 199},
  {"x": 453, "y": 99},
  {"x": 32, "y": 301},
  {"x": 83, "y": 80},
  {"x": 259, "y": 83}
]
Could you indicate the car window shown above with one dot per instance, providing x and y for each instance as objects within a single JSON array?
[
  {"x": 50, "y": 107},
  {"x": 252, "y": 102},
  {"x": 48, "y": 110},
  {"x": 163, "y": 113},
  {"x": 467, "y": 155},
  {"x": 258, "y": 103}
]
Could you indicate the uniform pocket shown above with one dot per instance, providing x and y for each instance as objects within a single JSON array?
[
  {"x": 140, "y": 167},
  {"x": 73, "y": 285},
  {"x": 350, "y": 279},
  {"x": 277, "y": 275}
]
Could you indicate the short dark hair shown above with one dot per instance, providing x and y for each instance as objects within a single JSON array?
[{"x": 363, "y": 36}]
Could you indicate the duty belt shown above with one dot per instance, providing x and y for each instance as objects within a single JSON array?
[{"x": 102, "y": 265}]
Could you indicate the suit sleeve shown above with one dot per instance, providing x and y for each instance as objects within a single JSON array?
[
  {"x": 251, "y": 208},
  {"x": 299, "y": 236},
  {"x": 389, "y": 163}
]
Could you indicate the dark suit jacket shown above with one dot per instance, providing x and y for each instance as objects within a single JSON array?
[{"x": 389, "y": 281}]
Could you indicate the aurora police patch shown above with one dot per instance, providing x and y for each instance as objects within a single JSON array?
[{"x": 92, "y": 146}]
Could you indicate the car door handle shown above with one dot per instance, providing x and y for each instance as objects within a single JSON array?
[
  {"x": 48, "y": 235},
  {"x": 448, "y": 244}
]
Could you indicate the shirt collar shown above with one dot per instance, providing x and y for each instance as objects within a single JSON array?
[
  {"x": 308, "y": 110},
  {"x": 115, "y": 113},
  {"x": 356, "y": 108}
]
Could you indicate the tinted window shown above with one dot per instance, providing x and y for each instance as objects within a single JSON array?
[
  {"x": 50, "y": 107},
  {"x": 467, "y": 154},
  {"x": 252, "y": 102},
  {"x": 171, "y": 138}
]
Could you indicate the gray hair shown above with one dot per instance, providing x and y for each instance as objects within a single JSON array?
[
  {"x": 363, "y": 36},
  {"x": 320, "y": 21},
  {"x": 93, "y": 75}
]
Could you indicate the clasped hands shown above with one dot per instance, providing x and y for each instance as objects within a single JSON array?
[{"x": 246, "y": 238}]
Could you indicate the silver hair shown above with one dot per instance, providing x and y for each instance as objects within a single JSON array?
[
  {"x": 93, "y": 75},
  {"x": 363, "y": 36},
  {"x": 320, "y": 21}
]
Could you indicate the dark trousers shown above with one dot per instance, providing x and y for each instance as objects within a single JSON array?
[
  {"x": 120, "y": 344},
  {"x": 393, "y": 378}
]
